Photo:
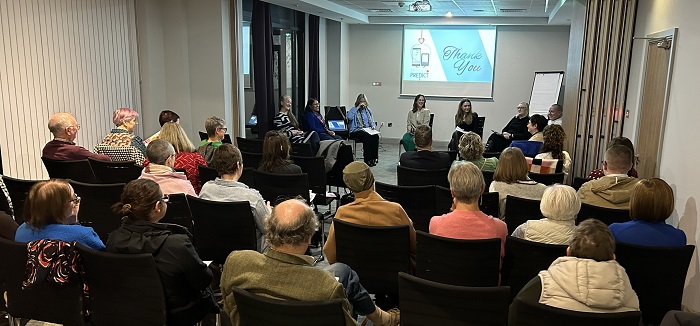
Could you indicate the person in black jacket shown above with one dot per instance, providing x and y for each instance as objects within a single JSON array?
[
  {"x": 184, "y": 276},
  {"x": 516, "y": 129},
  {"x": 424, "y": 158}
]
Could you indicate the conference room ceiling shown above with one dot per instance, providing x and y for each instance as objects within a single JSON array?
[{"x": 491, "y": 12}]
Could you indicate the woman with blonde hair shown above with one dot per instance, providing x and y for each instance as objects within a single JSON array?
[
  {"x": 186, "y": 156},
  {"x": 559, "y": 206},
  {"x": 511, "y": 178},
  {"x": 471, "y": 149},
  {"x": 465, "y": 120},
  {"x": 360, "y": 119}
]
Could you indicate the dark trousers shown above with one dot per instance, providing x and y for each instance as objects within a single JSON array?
[
  {"x": 496, "y": 143},
  {"x": 370, "y": 144}
]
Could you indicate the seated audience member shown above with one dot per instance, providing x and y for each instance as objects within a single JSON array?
[
  {"x": 53, "y": 214},
  {"x": 275, "y": 157},
  {"x": 466, "y": 120},
  {"x": 418, "y": 116},
  {"x": 65, "y": 128},
  {"x": 216, "y": 130},
  {"x": 516, "y": 129},
  {"x": 285, "y": 122},
  {"x": 8, "y": 226},
  {"x": 535, "y": 127},
  {"x": 165, "y": 116},
  {"x": 554, "y": 114},
  {"x": 161, "y": 155},
  {"x": 360, "y": 118},
  {"x": 651, "y": 203},
  {"x": 511, "y": 178},
  {"x": 471, "y": 149},
  {"x": 185, "y": 278},
  {"x": 559, "y": 206},
  {"x": 186, "y": 157},
  {"x": 285, "y": 273},
  {"x": 588, "y": 279},
  {"x": 553, "y": 147},
  {"x": 369, "y": 208},
  {"x": 424, "y": 158},
  {"x": 314, "y": 121},
  {"x": 123, "y": 135},
  {"x": 466, "y": 221},
  {"x": 598, "y": 173},
  {"x": 612, "y": 190},
  {"x": 228, "y": 162}
]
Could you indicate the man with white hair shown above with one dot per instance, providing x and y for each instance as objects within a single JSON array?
[
  {"x": 65, "y": 128},
  {"x": 161, "y": 157},
  {"x": 559, "y": 206},
  {"x": 554, "y": 114}
]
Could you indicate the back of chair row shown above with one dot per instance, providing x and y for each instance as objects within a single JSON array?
[
  {"x": 93, "y": 171},
  {"x": 418, "y": 177}
]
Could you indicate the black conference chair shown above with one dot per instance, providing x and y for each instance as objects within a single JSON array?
[
  {"x": 376, "y": 253},
  {"x": 488, "y": 179},
  {"x": 251, "y": 160},
  {"x": 547, "y": 179},
  {"x": 61, "y": 304},
  {"x": 5, "y": 204},
  {"x": 492, "y": 154},
  {"x": 314, "y": 167},
  {"x": 247, "y": 177},
  {"x": 254, "y": 309},
  {"x": 302, "y": 149},
  {"x": 335, "y": 176},
  {"x": 222, "y": 227},
  {"x": 424, "y": 302},
  {"x": 456, "y": 261},
  {"x": 115, "y": 172},
  {"x": 206, "y": 174},
  {"x": 519, "y": 210},
  {"x": 657, "y": 275},
  {"x": 578, "y": 182},
  {"x": 78, "y": 170},
  {"x": 18, "y": 190},
  {"x": 536, "y": 314},
  {"x": 226, "y": 140},
  {"x": 605, "y": 215},
  {"x": 125, "y": 289},
  {"x": 489, "y": 203},
  {"x": 480, "y": 127},
  {"x": 277, "y": 186},
  {"x": 417, "y": 201},
  {"x": 96, "y": 206},
  {"x": 249, "y": 145},
  {"x": 524, "y": 259},
  {"x": 418, "y": 177},
  {"x": 178, "y": 212}
]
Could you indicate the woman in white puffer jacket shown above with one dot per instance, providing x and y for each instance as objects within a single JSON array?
[{"x": 560, "y": 205}]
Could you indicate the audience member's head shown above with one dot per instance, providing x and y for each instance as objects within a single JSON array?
[
  {"x": 536, "y": 124},
  {"x": 651, "y": 200},
  {"x": 292, "y": 223},
  {"x": 215, "y": 127},
  {"x": 555, "y": 112},
  {"x": 142, "y": 200},
  {"x": 161, "y": 152},
  {"x": 592, "y": 239},
  {"x": 554, "y": 137},
  {"x": 276, "y": 149},
  {"x": 624, "y": 141},
  {"x": 618, "y": 160},
  {"x": 418, "y": 102},
  {"x": 126, "y": 118},
  {"x": 175, "y": 135},
  {"x": 470, "y": 146},
  {"x": 512, "y": 166},
  {"x": 50, "y": 202},
  {"x": 523, "y": 109},
  {"x": 358, "y": 177},
  {"x": 63, "y": 125},
  {"x": 168, "y": 116},
  {"x": 560, "y": 202},
  {"x": 466, "y": 182},
  {"x": 227, "y": 160},
  {"x": 423, "y": 137}
]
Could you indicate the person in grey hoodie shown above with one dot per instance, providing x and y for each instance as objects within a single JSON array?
[{"x": 614, "y": 189}]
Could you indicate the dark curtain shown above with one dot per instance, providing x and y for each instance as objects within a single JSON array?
[
  {"x": 261, "y": 26},
  {"x": 314, "y": 71}
]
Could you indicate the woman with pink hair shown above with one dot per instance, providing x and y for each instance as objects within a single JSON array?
[{"x": 121, "y": 144}]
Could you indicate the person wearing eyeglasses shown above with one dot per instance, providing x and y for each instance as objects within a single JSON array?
[
  {"x": 161, "y": 157},
  {"x": 64, "y": 128},
  {"x": 516, "y": 129},
  {"x": 286, "y": 122},
  {"x": 185, "y": 278},
  {"x": 216, "y": 130},
  {"x": 121, "y": 144},
  {"x": 53, "y": 214}
]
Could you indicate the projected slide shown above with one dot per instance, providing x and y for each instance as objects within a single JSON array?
[{"x": 448, "y": 61}]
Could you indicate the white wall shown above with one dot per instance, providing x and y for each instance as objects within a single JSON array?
[
  {"x": 520, "y": 51},
  {"x": 678, "y": 165}
]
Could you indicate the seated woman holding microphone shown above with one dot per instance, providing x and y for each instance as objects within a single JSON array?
[{"x": 360, "y": 117}]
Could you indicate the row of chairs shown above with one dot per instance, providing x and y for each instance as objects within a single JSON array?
[
  {"x": 92, "y": 171},
  {"x": 418, "y": 177}
]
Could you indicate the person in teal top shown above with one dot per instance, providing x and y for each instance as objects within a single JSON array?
[
  {"x": 471, "y": 149},
  {"x": 216, "y": 130},
  {"x": 53, "y": 210}
]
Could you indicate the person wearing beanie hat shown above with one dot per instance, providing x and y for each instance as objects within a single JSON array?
[
  {"x": 560, "y": 205},
  {"x": 369, "y": 208}
]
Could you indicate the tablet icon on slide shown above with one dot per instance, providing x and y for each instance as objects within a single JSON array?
[{"x": 420, "y": 55}]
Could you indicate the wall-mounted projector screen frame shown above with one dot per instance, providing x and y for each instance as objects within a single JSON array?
[
  {"x": 448, "y": 61},
  {"x": 546, "y": 90}
]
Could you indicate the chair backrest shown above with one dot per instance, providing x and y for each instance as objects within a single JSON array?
[
  {"x": 251, "y": 160},
  {"x": 221, "y": 227},
  {"x": 78, "y": 170},
  {"x": 18, "y": 190},
  {"x": 488, "y": 179},
  {"x": 115, "y": 172},
  {"x": 432, "y": 117},
  {"x": 519, "y": 210},
  {"x": 492, "y": 154},
  {"x": 178, "y": 212},
  {"x": 301, "y": 149},
  {"x": 545, "y": 165},
  {"x": 456, "y": 261},
  {"x": 604, "y": 214},
  {"x": 226, "y": 140},
  {"x": 249, "y": 145},
  {"x": 96, "y": 206},
  {"x": 254, "y": 309},
  {"x": 657, "y": 275},
  {"x": 206, "y": 174},
  {"x": 345, "y": 157},
  {"x": 578, "y": 182},
  {"x": 479, "y": 130},
  {"x": 547, "y": 179},
  {"x": 376, "y": 253},
  {"x": 61, "y": 304},
  {"x": 536, "y": 314},
  {"x": 203, "y": 135},
  {"x": 316, "y": 169},
  {"x": 247, "y": 177},
  {"x": 124, "y": 289},
  {"x": 529, "y": 148},
  {"x": 417, "y": 201},
  {"x": 452, "y": 154},
  {"x": 418, "y": 177},
  {"x": 524, "y": 259},
  {"x": 271, "y": 186},
  {"x": 424, "y": 302},
  {"x": 5, "y": 204},
  {"x": 489, "y": 203}
]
